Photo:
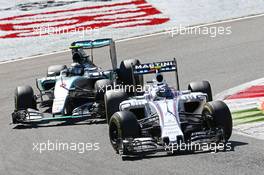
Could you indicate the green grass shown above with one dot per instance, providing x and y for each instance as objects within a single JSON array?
[{"x": 247, "y": 116}]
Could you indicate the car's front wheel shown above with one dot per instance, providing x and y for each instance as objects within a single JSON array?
[
  {"x": 123, "y": 124},
  {"x": 24, "y": 98},
  {"x": 221, "y": 117}
]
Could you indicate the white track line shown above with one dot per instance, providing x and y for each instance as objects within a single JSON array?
[
  {"x": 145, "y": 36},
  {"x": 195, "y": 26},
  {"x": 32, "y": 57}
]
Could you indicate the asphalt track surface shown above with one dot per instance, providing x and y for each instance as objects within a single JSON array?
[{"x": 225, "y": 61}]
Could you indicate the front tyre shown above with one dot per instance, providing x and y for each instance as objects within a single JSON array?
[
  {"x": 123, "y": 124},
  {"x": 221, "y": 116},
  {"x": 24, "y": 98}
]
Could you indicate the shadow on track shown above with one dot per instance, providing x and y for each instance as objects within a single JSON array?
[
  {"x": 66, "y": 123},
  {"x": 235, "y": 144}
]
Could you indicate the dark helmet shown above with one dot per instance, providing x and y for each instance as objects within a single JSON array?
[
  {"x": 77, "y": 57},
  {"x": 164, "y": 91}
]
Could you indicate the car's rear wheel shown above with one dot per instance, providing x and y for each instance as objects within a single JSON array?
[
  {"x": 221, "y": 116},
  {"x": 203, "y": 86},
  {"x": 24, "y": 98},
  {"x": 101, "y": 86},
  {"x": 123, "y": 124},
  {"x": 126, "y": 75},
  {"x": 112, "y": 99}
]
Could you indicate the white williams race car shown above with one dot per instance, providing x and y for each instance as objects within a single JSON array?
[{"x": 163, "y": 117}]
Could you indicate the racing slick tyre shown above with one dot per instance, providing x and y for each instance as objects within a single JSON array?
[
  {"x": 112, "y": 100},
  {"x": 101, "y": 86},
  {"x": 203, "y": 86},
  {"x": 125, "y": 72},
  {"x": 123, "y": 124},
  {"x": 55, "y": 70},
  {"x": 24, "y": 98},
  {"x": 221, "y": 117}
]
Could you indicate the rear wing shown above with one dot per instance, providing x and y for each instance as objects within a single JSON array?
[
  {"x": 157, "y": 67},
  {"x": 91, "y": 44},
  {"x": 98, "y": 43}
]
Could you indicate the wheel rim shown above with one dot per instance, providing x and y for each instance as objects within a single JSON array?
[
  {"x": 207, "y": 122},
  {"x": 113, "y": 134}
]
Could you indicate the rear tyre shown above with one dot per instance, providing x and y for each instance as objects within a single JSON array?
[
  {"x": 101, "y": 86},
  {"x": 55, "y": 70},
  {"x": 112, "y": 99},
  {"x": 203, "y": 86},
  {"x": 123, "y": 124},
  {"x": 125, "y": 72},
  {"x": 221, "y": 117},
  {"x": 24, "y": 98}
]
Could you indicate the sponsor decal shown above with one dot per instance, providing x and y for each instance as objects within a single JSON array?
[
  {"x": 155, "y": 65},
  {"x": 152, "y": 67},
  {"x": 127, "y": 14}
]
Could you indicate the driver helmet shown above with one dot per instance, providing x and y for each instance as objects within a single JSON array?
[
  {"x": 164, "y": 91},
  {"x": 77, "y": 58}
]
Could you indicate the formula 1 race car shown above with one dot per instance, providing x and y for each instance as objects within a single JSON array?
[
  {"x": 75, "y": 93},
  {"x": 164, "y": 117}
]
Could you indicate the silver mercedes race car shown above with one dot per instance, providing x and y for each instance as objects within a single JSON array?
[
  {"x": 163, "y": 118},
  {"x": 72, "y": 93}
]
